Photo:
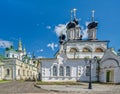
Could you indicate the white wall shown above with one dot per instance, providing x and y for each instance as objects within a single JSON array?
[
  {"x": 80, "y": 45},
  {"x": 110, "y": 65},
  {"x": 46, "y": 69}
]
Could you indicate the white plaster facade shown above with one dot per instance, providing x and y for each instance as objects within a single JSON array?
[
  {"x": 16, "y": 65},
  {"x": 110, "y": 67},
  {"x": 77, "y": 70},
  {"x": 71, "y": 56},
  {"x": 80, "y": 45}
]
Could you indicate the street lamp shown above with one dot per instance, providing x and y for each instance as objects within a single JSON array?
[{"x": 90, "y": 73}]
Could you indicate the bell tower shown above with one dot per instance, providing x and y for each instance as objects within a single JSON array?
[
  {"x": 92, "y": 28},
  {"x": 73, "y": 28},
  {"x": 19, "y": 45}
]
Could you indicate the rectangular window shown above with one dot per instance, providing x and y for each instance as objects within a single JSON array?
[
  {"x": 23, "y": 72},
  {"x": 7, "y": 55},
  {"x": 54, "y": 71},
  {"x": 27, "y": 73},
  {"x": 67, "y": 71},
  {"x": 19, "y": 72},
  {"x": 87, "y": 70},
  {"x": 61, "y": 71}
]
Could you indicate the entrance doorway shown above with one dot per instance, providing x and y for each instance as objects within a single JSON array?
[{"x": 110, "y": 76}]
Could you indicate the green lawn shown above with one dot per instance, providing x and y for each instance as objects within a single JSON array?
[
  {"x": 4, "y": 81},
  {"x": 58, "y": 83}
]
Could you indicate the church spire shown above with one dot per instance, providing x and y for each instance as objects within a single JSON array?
[
  {"x": 19, "y": 45},
  {"x": 74, "y": 10},
  {"x": 73, "y": 28},
  {"x": 93, "y": 13},
  {"x": 92, "y": 28},
  {"x": 73, "y": 14},
  {"x": 24, "y": 50}
]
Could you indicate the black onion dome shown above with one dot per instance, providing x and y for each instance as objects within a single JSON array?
[
  {"x": 76, "y": 21},
  {"x": 62, "y": 37},
  {"x": 92, "y": 25},
  {"x": 71, "y": 24}
]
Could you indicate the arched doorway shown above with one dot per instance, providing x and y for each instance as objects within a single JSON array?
[{"x": 109, "y": 75}]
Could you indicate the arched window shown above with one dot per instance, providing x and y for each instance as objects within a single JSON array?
[
  {"x": 54, "y": 71},
  {"x": 86, "y": 50},
  {"x": 73, "y": 50},
  {"x": 99, "y": 50},
  {"x": 8, "y": 71},
  {"x": 67, "y": 71},
  {"x": 61, "y": 71}
]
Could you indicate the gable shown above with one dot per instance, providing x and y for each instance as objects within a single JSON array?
[{"x": 110, "y": 54}]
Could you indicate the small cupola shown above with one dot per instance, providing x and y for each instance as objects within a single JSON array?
[
  {"x": 92, "y": 28},
  {"x": 73, "y": 28}
]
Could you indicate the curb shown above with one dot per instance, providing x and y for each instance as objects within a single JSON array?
[{"x": 36, "y": 86}]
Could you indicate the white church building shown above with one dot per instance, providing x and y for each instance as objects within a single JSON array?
[
  {"x": 72, "y": 61},
  {"x": 17, "y": 65}
]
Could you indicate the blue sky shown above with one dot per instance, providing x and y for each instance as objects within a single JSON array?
[{"x": 34, "y": 22}]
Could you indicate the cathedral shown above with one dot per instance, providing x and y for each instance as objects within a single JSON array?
[
  {"x": 77, "y": 59},
  {"x": 17, "y": 65}
]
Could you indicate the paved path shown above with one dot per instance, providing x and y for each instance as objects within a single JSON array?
[
  {"x": 19, "y": 87},
  {"x": 83, "y": 89}
]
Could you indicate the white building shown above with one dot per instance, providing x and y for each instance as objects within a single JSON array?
[
  {"x": 17, "y": 65},
  {"x": 110, "y": 67},
  {"x": 70, "y": 62}
]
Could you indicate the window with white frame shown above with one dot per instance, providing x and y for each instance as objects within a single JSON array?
[
  {"x": 54, "y": 70},
  {"x": 67, "y": 71},
  {"x": 61, "y": 71}
]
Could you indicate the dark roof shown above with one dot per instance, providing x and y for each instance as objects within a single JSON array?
[
  {"x": 72, "y": 24},
  {"x": 92, "y": 25}
]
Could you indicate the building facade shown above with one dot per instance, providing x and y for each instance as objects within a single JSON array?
[
  {"x": 70, "y": 64},
  {"x": 17, "y": 65},
  {"x": 110, "y": 67}
]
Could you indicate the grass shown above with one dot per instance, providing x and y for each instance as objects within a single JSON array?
[
  {"x": 4, "y": 81},
  {"x": 58, "y": 83}
]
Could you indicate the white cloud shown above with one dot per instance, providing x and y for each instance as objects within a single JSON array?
[
  {"x": 85, "y": 35},
  {"x": 5, "y": 44},
  {"x": 40, "y": 57},
  {"x": 60, "y": 29},
  {"x": 41, "y": 50},
  {"x": 86, "y": 23},
  {"x": 84, "y": 31},
  {"x": 52, "y": 46},
  {"x": 48, "y": 27}
]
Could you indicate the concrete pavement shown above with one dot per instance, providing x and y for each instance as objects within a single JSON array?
[
  {"x": 83, "y": 89},
  {"x": 20, "y": 87}
]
